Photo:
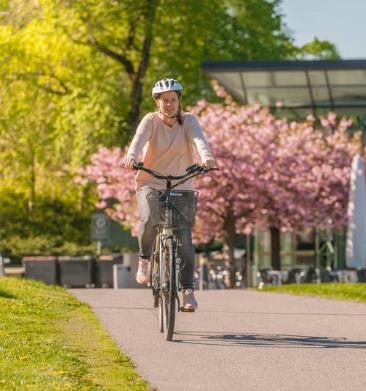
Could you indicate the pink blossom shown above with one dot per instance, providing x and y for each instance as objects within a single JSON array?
[
  {"x": 272, "y": 172},
  {"x": 324, "y": 122}
]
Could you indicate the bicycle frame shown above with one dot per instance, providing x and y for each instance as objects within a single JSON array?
[
  {"x": 167, "y": 285},
  {"x": 166, "y": 229}
]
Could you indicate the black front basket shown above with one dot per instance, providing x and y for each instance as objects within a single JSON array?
[{"x": 182, "y": 203}]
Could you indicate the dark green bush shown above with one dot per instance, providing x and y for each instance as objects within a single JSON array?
[
  {"x": 53, "y": 218},
  {"x": 51, "y": 227},
  {"x": 16, "y": 247}
]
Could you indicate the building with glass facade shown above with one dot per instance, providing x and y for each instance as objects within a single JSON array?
[{"x": 302, "y": 87}]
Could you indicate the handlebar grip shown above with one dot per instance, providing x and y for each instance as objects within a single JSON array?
[
  {"x": 138, "y": 166},
  {"x": 199, "y": 169},
  {"x": 193, "y": 167},
  {"x": 205, "y": 170}
]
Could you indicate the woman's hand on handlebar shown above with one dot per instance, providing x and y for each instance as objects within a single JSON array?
[
  {"x": 208, "y": 163},
  {"x": 129, "y": 162}
]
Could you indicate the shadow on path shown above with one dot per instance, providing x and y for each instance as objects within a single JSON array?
[
  {"x": 264, "y": 340},
  {"x": 119, "y": 307}
]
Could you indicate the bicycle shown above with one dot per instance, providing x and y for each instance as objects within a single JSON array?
[{"x": 170, "y": 211}]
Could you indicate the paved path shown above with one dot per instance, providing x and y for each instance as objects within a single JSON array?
[{"x": 240, "y": 340}]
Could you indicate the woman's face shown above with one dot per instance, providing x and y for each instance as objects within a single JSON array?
[{"x": 168, "y": 103}]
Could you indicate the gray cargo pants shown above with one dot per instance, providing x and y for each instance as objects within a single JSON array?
[{"x": 147, "y": 234}]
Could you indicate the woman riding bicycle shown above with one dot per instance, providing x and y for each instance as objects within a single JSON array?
[{"x": 167, "y": 139}]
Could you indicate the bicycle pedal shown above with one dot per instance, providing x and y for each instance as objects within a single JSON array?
[{"x": 186, "y": 310}]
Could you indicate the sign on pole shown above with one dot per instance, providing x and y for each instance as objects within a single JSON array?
[{"x": 100, "y": 226}]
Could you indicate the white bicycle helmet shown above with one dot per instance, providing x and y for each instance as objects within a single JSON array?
[{"x": 165, "y": 85}]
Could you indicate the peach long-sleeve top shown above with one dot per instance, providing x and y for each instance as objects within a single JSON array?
[{"x": 168, "y": 150}]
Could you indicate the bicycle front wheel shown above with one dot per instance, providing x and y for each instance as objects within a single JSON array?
[
  {"x": 155, "y": 272},
  {"x": 169, "y": 288}
]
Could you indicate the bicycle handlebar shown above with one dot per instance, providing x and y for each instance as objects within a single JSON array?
[{"x": 194, "y": 169}]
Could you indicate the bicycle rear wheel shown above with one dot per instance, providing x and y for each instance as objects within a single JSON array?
[{"x": 169, "y": 288}]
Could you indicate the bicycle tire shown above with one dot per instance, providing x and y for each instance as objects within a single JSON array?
[
  {"x": 155, "y": 273},
  {"x": 161, "y": 285},
  {"x": 155, "y": 287},
  {"x": 161, "y": 314},
  {"x": 170, "y": 288}
]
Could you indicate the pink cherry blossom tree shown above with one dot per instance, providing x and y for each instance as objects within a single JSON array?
[
  {"x": 114, "y": 185},
  {"x": 273, "y": 174}
]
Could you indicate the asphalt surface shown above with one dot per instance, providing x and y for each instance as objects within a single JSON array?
[{"x": 240, "y": 340}]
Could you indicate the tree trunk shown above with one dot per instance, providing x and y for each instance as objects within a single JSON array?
[
  {"x": 247, "y": 270},
  {"x": 231, "y": 267},
  {"x": 134, "y": 111},
  {"x": 136, "y": 91},
  {"x": 135, "y": 74},
  {"x": 275, "y": 248},
  {"x": 229, "y": 238},
  {"x": 32, "y": 181},
  {"x": 82, "y": 195}
]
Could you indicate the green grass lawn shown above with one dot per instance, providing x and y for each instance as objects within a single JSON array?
[
  {"x": 51, "y": 341},
  {"x": 351, "y": 291}
]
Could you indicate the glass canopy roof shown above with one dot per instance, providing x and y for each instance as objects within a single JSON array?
[{"x": 301, "y": 86}]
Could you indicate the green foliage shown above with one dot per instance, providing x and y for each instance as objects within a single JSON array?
[
  {"x": 49, "y": 340},
  {"x": 70, "y": 72},
  {"x": 341, "y": 291},
  {"x": 55, "y": 218},
  {"x": 213, "y": 245},
  {"x": 316, "y": 49},
  {"x": 52, "y": 227},
  {"x": 189, "y": 32},
  {"x": 17, "y": 247}
]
